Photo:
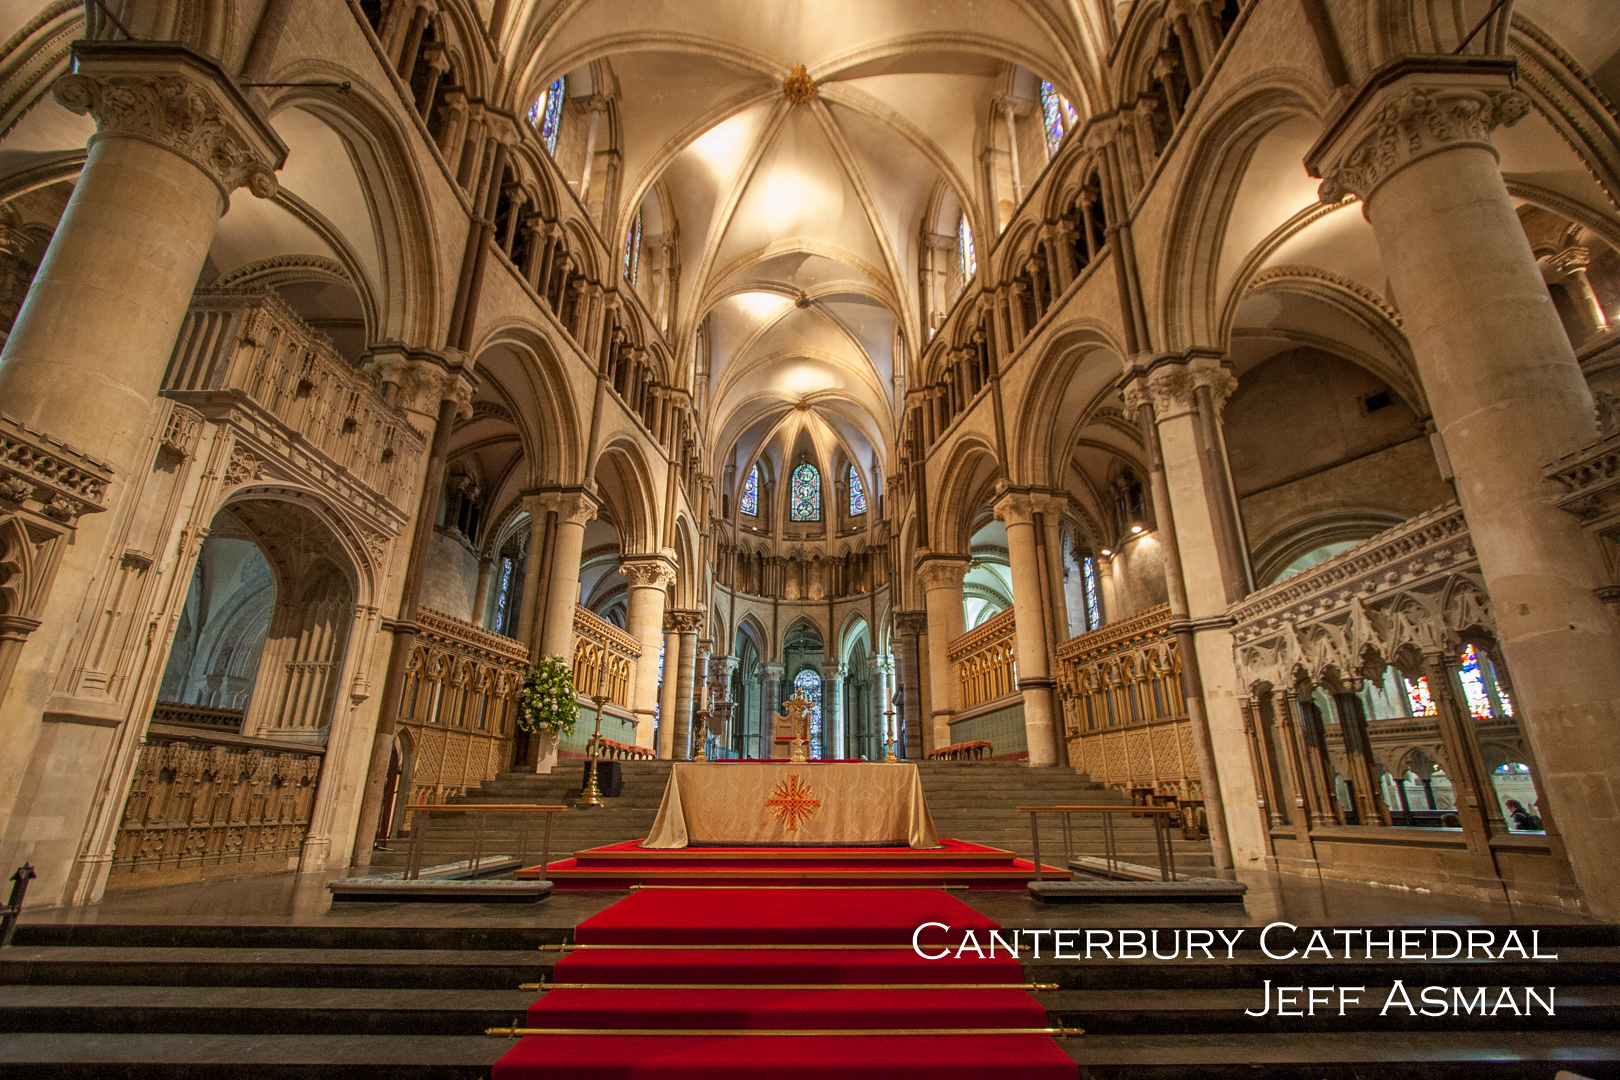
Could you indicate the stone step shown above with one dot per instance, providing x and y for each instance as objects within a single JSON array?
[
  {"x": 254, "y": 1010},
  {"x": 446, "y": 969},
  {"x": 98, "y": 1056}
]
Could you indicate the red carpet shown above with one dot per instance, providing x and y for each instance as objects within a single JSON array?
[
  {"x": 839, "y": 971},
  {"x": 956, "y": 862}
]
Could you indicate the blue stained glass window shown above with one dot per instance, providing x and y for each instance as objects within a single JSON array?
[
  {"x": 857, "y": 493},
  {"x": 967, "y": 260},
  {"x": 806, "y": 494},
  {"x": 632, "y": 251},
  {"x": 545, "y": 115},
  {"x": 1088, "y": 577},
  {"x": 809, "y": 682},
  {"x": 503, "y": 595},
  {"x": 750, "y": 494},
  {"x": 1058, "y": 114}
]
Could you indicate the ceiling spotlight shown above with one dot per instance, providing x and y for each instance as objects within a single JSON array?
[
  {"x": 1106, "y": 552},
  {"x": 1136, "y": 528}
]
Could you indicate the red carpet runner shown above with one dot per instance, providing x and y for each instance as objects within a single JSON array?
[
  {"x": 801, "y": 985},
  {"x": 955, "y": 862}
]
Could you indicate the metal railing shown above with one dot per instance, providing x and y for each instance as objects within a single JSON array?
[
  {"x": 477, "y": 857},
  {"x": 1163, "y": 817}
]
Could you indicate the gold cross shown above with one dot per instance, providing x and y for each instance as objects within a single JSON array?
[{"x": 791, "y": 801}]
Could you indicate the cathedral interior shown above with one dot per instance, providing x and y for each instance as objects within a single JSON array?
[{"x": 1211, "y": 405}]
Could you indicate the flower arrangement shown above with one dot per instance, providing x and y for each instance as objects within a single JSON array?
[{"x": 548, "y": 702}]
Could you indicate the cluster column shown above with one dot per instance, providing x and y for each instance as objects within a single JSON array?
[
  {"x": 1177, "y": 406},
  {"x": 1508, "y": 396},
  {"x": 1034, "y": 655}
]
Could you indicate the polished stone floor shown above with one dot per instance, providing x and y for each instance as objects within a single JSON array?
[{"x": 302, "y": 900}]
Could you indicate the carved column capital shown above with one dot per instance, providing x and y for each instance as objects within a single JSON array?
[
  {"x": 942, "y": 572},
  {"x": 882, "y": 663},
  {"x": 910, "y": 624},
  {"x": 648, "y": 571},
  {"x": 1016, "y": 508},
  {"x": 166, "y": 94},
  {"x": 571, "y": 507},
  {"x": 1136, "y": 394},
  {"x": 1410, "y": 109},
  {"x": 1172, "y": 389},
  {"x": 682, "y": 621},
  {"x": 1570, "y": 261}
]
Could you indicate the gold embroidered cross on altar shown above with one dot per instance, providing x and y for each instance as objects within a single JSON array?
[{"x": 792, "y": 802}]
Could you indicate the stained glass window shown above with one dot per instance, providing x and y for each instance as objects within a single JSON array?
[
  {"x": 967, "y": 260},
  {"x": 1088, "y": 577},
  {"x": 545, "y": 114},
  {"x": 806, "y": 494},
  {"x": 1417, "y": 696},
  {"x": 750, "y": 494},
  {"x": 503, "y": 595},
  {"x": 857, "y": 493},
  {"x": 809, "y": 682},
  {"x": 1059, "y": 115},
  {"x": 632, "y": 251},
  {"x": 1486, "y": 698}
]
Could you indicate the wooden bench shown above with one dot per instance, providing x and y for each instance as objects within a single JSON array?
[{"x": 977, "y": 750}]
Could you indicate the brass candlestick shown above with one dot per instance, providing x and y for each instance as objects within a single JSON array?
[
  {"x": 701, "y": 736},
  {"x": 888, "y": 729},
  {"x": 592, "y": 795}
]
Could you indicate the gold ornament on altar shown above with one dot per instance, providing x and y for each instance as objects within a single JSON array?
[
  {"x": 797, "y": 706},
  {"x": 792, "y": 801},
  {"x": 799, "y": 88}
]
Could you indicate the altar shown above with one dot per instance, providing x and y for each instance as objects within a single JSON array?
[{"x": 793, "y": 804}]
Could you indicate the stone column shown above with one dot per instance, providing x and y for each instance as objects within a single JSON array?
[
  {"x": 573, "y": 509},
  {"x": 649, "y": 576},
  {"x": 1050, "y": 509},
  {"x": 486, "y": 564},
  {"x": 82, "y": 367},
  {"x": 1507, "y": 396},
  {"x": 1112, "y": 608},
  {"x": 1034, "y": 654},
  {"x": 666, "y": 687},
  {"x": 678, "y": 724},
  {"x": 832, "y": 707},
  {"x": 770, "y": 689},
  {"x": 1198, "y": 576},
  {"x": 532, "y": 599},
  {"x": 174, "y": 138},
  {"x": 911, "y": 626},
  {"x": 941, "y": 579},
  {"x": 1358, "y": 752},
  {"x": 703, "y": 669},
  {"x": 1568, "y": 268}
]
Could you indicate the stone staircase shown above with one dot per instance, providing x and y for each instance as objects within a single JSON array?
[
  {"x": 326, "y": 1002},
  {"x": 972, "y": 801}
]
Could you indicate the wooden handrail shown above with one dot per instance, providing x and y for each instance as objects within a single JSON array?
[{"x": 491, "y": 808}]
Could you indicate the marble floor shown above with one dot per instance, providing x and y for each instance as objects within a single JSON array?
[{"x": 290, "y": 899}]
